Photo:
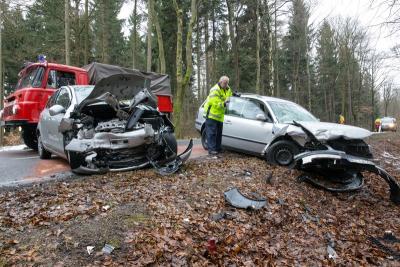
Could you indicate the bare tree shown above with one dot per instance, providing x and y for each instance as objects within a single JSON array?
[
  {"x": 67, "y": 34},
  {"x": 388, "y": 95},
  {"x": 149, "y": 31},
  {"x": 183, "y": 80}
]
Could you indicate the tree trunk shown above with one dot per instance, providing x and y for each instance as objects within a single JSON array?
[
  {"x": 1, "y": 72},
  {"x": 161, "y": 53},
  {"x": 198, "y": 55},
  {"x": 276, "y": 72},
  {"x": 134, "y": 35},
  {"x": 105, "y": 31},
  {"x": 233, "y": 37},
  {"x": 86, "y": 52},
  {"x": 208, "y": 83},
  {"x": 78, "y": 48},
  {"x": 67, "y": 33},
  {"x": 308, "y": 76},
  {"x": 213, "y": 54},
  {"x": 149, "y": 31},
  {"x": 183, "y": 81},
  {"x": 258, "y": 62}
]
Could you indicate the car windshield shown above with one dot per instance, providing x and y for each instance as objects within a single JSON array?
[
  {"x": 286, "y": 112},
  {"x": 82, "y": 92}
]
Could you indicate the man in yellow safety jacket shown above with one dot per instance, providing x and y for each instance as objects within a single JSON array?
[{"x": 214, "y": 111}]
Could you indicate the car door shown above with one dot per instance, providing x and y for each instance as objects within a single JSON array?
[
  {"x": 56, "y": 138},
  {"x": 45, "y": 120},
  {"x": 242, "y": 130}
]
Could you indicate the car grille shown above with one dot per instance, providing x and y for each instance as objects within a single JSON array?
[{"x": 352, "y": 147}]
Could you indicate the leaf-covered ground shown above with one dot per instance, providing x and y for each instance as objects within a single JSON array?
[{"x": 154, "y": 220}]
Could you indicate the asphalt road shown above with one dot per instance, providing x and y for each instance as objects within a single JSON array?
[{"x": 23, "y": 166}]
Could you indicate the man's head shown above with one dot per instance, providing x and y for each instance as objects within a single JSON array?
[{"x": 224, "y": 82}]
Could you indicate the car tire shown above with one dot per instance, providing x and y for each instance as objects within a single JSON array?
[
  {"x": 282, "y": 153},
  {"x": 170, "y": 140},
  {"x": 204, "y": 139},
  {"x": 29, "y": 137},
  {"x": 75, "y": 160},
  {"x": 43, "y": 153}
]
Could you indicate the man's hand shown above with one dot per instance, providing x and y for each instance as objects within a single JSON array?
[{"x": 236, "y": 93}]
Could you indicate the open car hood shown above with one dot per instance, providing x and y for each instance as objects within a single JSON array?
[
  {"x": 129, "y": 87},
  {"x": 122, "y": 86},
  {"x": 323, "y": 130}
]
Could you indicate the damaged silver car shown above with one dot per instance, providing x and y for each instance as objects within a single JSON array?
[
  {"x": 263, "y": 126},
  {"x": 112, "y": 126},
  {"x": 332, "y": 156}
]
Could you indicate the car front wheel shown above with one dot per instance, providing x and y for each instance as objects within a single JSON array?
[
  {"x": 43, "y": 153},
  {"x": 282, "y": 153}
]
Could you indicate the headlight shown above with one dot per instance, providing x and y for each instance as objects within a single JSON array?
[{"x": 391, "y": 125}]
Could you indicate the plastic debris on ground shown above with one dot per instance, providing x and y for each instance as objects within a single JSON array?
[
  {"x": 90, "y": 249},
  {"x": 107, "y": 249},
  {"x": 238, "y": 200}
]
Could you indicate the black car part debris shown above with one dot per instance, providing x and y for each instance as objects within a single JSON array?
[
  {"x": 342, "y": 181},
  {"x": 388, "y": 238},
  {"x": 166, "y": 168},
  {"x": 222, "y": 215},
  {"x": 331, "y": 163},
  {"x": 237, "y": 200}
]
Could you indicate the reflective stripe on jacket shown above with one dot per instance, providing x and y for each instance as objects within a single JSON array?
[{"x": 214, "y": 107}]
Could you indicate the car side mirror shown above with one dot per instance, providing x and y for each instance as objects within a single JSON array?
[
  {"x": 261, "y": 117},
  {"x": 56, "y": 109}
]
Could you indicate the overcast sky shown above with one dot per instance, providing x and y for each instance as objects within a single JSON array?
[{"x": 369, "y": 15}]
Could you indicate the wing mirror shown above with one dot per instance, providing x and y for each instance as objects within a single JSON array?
[
  {"x": 56, "y": 109},
  {"x": 261, "y": 117}
]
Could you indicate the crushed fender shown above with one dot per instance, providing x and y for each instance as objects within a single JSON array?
[
  {"x": 238, "y": 200},
  {"x": 338, "y": 166}
]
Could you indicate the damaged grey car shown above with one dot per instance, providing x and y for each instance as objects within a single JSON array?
[
  {"x": 263, "y": 126},
  {"x": 286, "y": 134},
  {"x": 112, "y": 126}
]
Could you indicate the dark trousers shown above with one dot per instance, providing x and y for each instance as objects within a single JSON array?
[{"x": 214, "y": 135}]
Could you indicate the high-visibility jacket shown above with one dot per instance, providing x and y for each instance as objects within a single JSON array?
[
  {"x": 215, "y": 103},
  {"x": 341, "y": 119}
]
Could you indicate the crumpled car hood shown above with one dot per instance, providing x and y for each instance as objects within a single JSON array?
[
  {"x": 323, "y": 130},
  {"x": 122, "y": 86}
]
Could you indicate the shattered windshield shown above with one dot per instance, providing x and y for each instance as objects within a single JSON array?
[
  {"x": 286, "y": 112},
  {"x": 82, "y": 92}
]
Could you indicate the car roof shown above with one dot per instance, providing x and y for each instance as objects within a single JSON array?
[{"x": 265, "y": 98}]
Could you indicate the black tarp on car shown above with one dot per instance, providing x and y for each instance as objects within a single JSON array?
[{"x": 160, "y": 84}]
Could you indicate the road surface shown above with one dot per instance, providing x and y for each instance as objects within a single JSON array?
[{"x": 20, "y": 165}]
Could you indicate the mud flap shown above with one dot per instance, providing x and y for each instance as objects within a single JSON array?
[
  {"x": 174, "y": 165},
  {"x": 330, "y": 163}
]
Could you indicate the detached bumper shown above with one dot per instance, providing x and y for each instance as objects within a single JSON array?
[{"x": 340, "y": 166}]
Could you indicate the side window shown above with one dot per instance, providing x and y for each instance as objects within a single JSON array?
[
  {"x": 252, "y": 109},
  {"x": 63, "y": 98},
  {"x": 57, "y": 78},
  {"x": 235, "y": 106}
]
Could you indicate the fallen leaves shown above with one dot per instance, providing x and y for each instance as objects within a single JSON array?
[{"x": 183, "y": 219}]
